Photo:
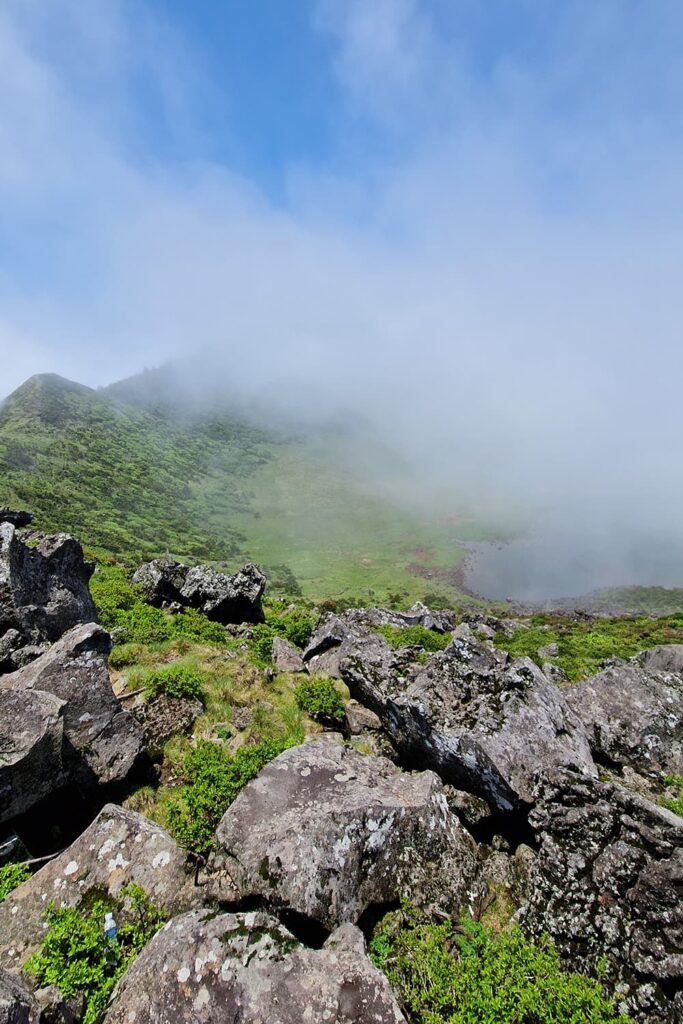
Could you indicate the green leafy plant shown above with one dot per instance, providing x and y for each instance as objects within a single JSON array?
[
  {"x": 320, "y": 699},
  {"x": 293, "y": 624},
  {"x": 415, "y": 636},
  {"x": 76, "y": 956},
  {"x": 12, "y": 876},
  {"x": 174, "y": 681},
  {"x": 445, "y": 973},
  {"x": 674, "y": 803},
  {"x": 214, "y": 779}
]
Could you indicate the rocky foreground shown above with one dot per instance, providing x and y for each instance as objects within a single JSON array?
[{"x": 469, "y": 772}]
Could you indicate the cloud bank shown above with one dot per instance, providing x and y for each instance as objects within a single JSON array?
[{"x": 486, "y": 267}]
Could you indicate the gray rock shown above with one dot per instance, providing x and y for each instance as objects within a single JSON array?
[
  {"x": 165, "y": 717},
  {"x": 549, "y": 651},
  {"x": 119, "y": 847},
  {"x": 608, "y": 882},
  {"x": 483, "y": 721},
  {"x": 10, "y": 643},
  {"x": 44, "y": 589},
  {"x": 358, "y": 719},
  {"x": 247, "y": 969},
  {"x": 31, "y": 739},
  {"x": 327, "y": 832},
  {"x": 286, "y": 657},
  {"x": 17, "y": 1005},
  {"x": 102, "y": 740},
  {"x": 227, "y": 599},
  {"x": 633, "y": 711}
]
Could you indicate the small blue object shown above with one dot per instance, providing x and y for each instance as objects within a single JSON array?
[{"x": 110, "y": 929}]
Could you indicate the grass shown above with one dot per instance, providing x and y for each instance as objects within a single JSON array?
[
  {"x": 584, "y": 646},
  {"x": 674, "y": 785},
  {"x": 415, "y": 636}
]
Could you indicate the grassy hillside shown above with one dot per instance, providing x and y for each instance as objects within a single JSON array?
[{"x": 134, "y": 479}]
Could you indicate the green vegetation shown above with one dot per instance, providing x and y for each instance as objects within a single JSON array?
[
  {"x": 214, "y": 779},
  {"x": 174, "y": 681},
  {"x": 466, "y": 974},
  {"x": 77, "y": 957},
  {"x": 415, "y": 636},
  {"x": 320, "y": 699},
  {"x": 135, "y": 481},
  {"x": 674, "y": 803},
  {"x": 585, "y": 645},
  {"x": 292, "y": 622},
  {"x": 11, "y": 877}
]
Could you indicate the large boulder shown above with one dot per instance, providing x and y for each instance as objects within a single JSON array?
[
  {"x": 607, "y": 885},
  {"x": 248, "y": 969},
  {"x": 633, "y": 711},
  {"x": 15, "y": 517},
  {"x": 119, "y": 847},
  {"x": 17, "y": 1004},
  {"x": 102, "y": 741},
  {"x": 227, "y": 599},
  {"x": 328, "y": 832},
  {"x": 31, "y": 741},
  {"x": 484, "y": 721},
  {"x": 43, "y": 591}
]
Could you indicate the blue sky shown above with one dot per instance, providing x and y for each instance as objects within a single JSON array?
[{"x": 356, "y": 194}]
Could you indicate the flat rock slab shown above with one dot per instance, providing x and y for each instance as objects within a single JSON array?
[
  {"x": 103, "y": 741},
  {"x": 328, "y": 832},
  {"x": 247, "y": 969},
  {"x": 119, "y": 847},
  {"x": 633, "y": 712}
]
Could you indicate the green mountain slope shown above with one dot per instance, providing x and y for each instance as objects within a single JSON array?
[{"x": 132, "y": 476}]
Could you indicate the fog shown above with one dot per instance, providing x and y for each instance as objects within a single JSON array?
[{"x": 484, "y": 272}]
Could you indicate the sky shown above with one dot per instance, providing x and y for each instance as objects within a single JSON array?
[{"x": 461, "y": 219}]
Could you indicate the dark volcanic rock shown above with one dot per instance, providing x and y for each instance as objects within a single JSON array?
[
  {"x": 119, "y": 847},
  {"x": 483, "y": 721},
  {"x": 227, "y": 599},
  {"x": 328, "y": 832},
  {"x": 102, "y": 742},
  {"x": 17, "y": 1005},
  {"x": 31, "y": 742},
  {"x": 247, "y": 969},
  {"x": 608, "y": 882},
  {"x": 633, "y": 712},
  {"x": 43, "y": 590},
  {"x": 16, "y": 518},
  {"x": 167, "y": 716}
]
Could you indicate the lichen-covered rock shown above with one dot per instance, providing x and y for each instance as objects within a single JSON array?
[
  {"x": 166, "y": 716},
  {"x": 17, "y": 1005},
  {"x": 31, "y": 739},
  {"x": 484, "y": 721},
  {"x": 43, "y": 590},
  {"x": 607, "y": 883},
  {"x": 286, "y": 657},
  {"x": 119, "y": 847},
  {"x": 227, "y": 599},
  {"x": 102, "y": 741},
  {"x": 247, "y": 969},
  {"x": 327, "y": 832},
  {"x": 633, "y": 712}
]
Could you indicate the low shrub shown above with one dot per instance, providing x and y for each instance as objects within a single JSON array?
[
  {"x": 76, "y": 956},
  {"x": 293, "y": 624},
  {"x": 674, "y": 803},
  {"x": 415, "y": 636},
  {"x": 445, "y": 973},
  {"x": 214, "y": 779},
  {"x": 320, "y": 699},
  {"x": 11, "y": 877},
  {"x": 174, "y": 681}
]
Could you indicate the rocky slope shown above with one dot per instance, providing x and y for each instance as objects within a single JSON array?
[{"x": 496, "y": 781}]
